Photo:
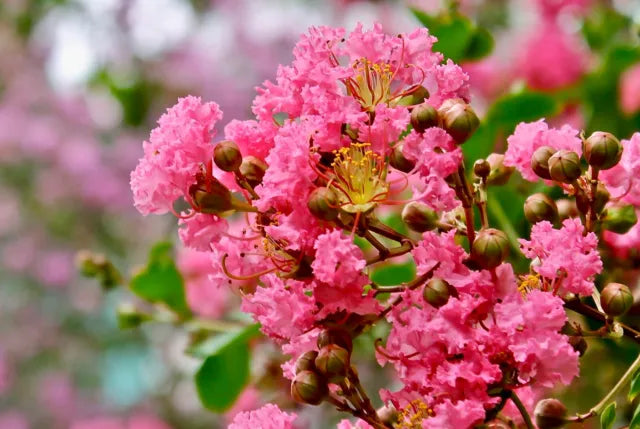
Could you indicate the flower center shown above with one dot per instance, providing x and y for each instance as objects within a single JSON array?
[
  {"x": 412, "y": 415},
  {"x": 372, "y": 83},
  {"x": 528, "y": 283},
  {"x": 359, "y": 177}
]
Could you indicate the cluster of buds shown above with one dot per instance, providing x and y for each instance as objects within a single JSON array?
[{"x": 455, "y": 116}]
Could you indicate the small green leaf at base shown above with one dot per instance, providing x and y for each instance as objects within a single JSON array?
[
  {"x": 608, "y": 416},
  {"x": 635, "y": 386},
  {"x": 635, "y": 420}
]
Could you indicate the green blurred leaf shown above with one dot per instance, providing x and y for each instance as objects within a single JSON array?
[
  {"x": 602, "y": 26},
  {"x": 394, "y": 274},
  {"x": 214, "y": 345},
  {"x": 634, "y": 389},
  {"x": 454, "y": 33},
  {"x": 480, "y": 45},
  {"x": 160, "y": 280},
  {"x": 608, "y": 416},
  {"x": 635, "y": 420},
  {"x": 223, "y": 376},
  {"x": 395, "y": 222}
]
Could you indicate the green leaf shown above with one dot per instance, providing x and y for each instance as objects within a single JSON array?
[
  {"x": 634, "y": 389},
  {"x": 480, "y": 45},
  {"x": 394, "y": 274},
  {"x": 635, "y": 420},
  {"x": 214, "y": 345},
  {"x": 608, "y": 416},
  {"x": 223, "y": 376},
  {"x": 160, "y": 281},
  {"x": 454, "y": 33}
]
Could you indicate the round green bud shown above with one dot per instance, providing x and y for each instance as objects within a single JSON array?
[
  {"x": 253, "y": 170},
  {"x": 211, "y": 198},
  {"x": 424, "y": 116},
  {"x": 620, "y": 219},
  {"x": 602, "y": 150},
  {"x": 460, "y": 121},
  {"x": 333, "y": 362},
  {"x": 602, "y": 198},
  {"x": 419, "y": 217},
  {"x": 539, "y": 207},
  {"x": 437, "y": 292},
  {"x": 323, "y": 204},
  {"x": 540, "y": 161},
  {"x": 500, "y": 173},
  {"x": 306, "y": 361},
  {"x": 564, "y": 166},
  {"x": 416, "y": 97},
  {"x": 490, "y": 248},
  {"x": 482, "y": 168},
  {"x": 398, "y": 161},
  {"x": 550, "y": 414},
  {"x": 308, "y": 387},
  {"x": 616, "y": 299},
  {"x": 336, "y": 336},
  {"x": 227, "y": 156}
]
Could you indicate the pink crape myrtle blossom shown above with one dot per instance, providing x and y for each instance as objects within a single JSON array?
[
  {"x": 623, "y": 180},
  {"x": 566, "y": 257},
  {"x": 175, "y": 152},
  {"x": 204, "y": 297},
  {"x": 200, "y": 230},
  {"x": 528, "y": 137},
  {"x": 551, "y": 8},
  {"x": 630, "y": 90},
  {"x": 267, "y": 417}
]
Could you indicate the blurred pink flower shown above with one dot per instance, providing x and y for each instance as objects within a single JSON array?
[{"x": 630, "y": 90}]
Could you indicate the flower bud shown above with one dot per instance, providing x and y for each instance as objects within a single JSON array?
[
  {"x": 564, "y": 166},
  {"x": 602, "y": 150},
  {"x": 437, "y": 292},
  {"x": 579, "y": 344},
  {"x": 481, "y": 168},
  {"x": 539, "y": 207},
  {"x": 323, "y": 204},
  {"x": 460, "y": 121},
  {"x": 419, "y": 217},
  {"x": 227, "y": 156},
  {"x": 308, "y": 387},
  {"x": 540, "y": 161},
  {"x": 620, "y": 219},
  {"x": 490, "y": 248},
  {"x": 500, "y": 173},
  {"x": 211, "y": 198},
  {"x": 566, "y": 208},
  {"x": 333, "y": 362},
  {"x": 424, "y": 116},
  {"x": 398, "y": 160},
  {"x": 253, "y": 170},
  {"x": 602, "y": 198},
  {"x": 616, "y": 299},
  {"x": 336, "y": 336},
  {"x": 416, "y": 97},
  {"x": 550, "y": 414},
  {"x": 306, "y": 361}
]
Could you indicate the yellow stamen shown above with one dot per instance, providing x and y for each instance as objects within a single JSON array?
[
  {"x": 528, "y": 283},
  {"x": 412, "y": 415}
]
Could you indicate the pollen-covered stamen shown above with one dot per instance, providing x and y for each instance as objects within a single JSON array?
[
  {"x": 413, "y": 414},
  {"x": 359, "y": 178},
  {"x": 528, "y": 283}
]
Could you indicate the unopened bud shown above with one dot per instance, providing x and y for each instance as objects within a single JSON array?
[
  {"x": 460, "y": 121},
  {"x": 323, "y": 204},
  {"x": 481, "y": 168},
  {"x": 424, "y": 116},
  {"x": 566, "y": 208},
  {"x": 602, "y": 150},
  {"x": 550, "y": 414},
  {"x": 540, "y": 161},
  {"x": 398, "y": 160},
  {"x": 253, "y": 170},
  {"x": 616, "y": 299},
  {"x": 212, "y": 197},
  {"x": 416, "y": 97},
  {"x": 308, "y": 387},
  {"x": 227, "y": 156},
  {"x": 129, "y": 316},
  {"x": 490, "y": 248},
  {"x": 564, "y": 166},
  {"x": 500, "y": 173},
  {"x": 336, "y": 336},
  {"x": 620, "y": 219},
  {"x": 579, "y": 344},
  {"x": 419, "y": 217},
  {"x": 539, "y": 207},
  {"x": 437, "y": 292},
  {"x": 333, "y": 362},
  {"x": 306, "y": 361},
  {"x": 601, "y": 199}
]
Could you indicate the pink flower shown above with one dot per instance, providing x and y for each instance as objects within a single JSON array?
[
  {"x": 623, "y": 180},
  {"x": 530, "y": 136},
  {"x": 630, "y": 90},
  {"x": 200, "y": 231},
  {"x": 175, "y": 152},
  {"x": 551, "y": 8},
  {"x": 567, "y": 259},
  {"x": 203, "y": 296},
  {"x": 360, "y": 424},
  {"x": 434, "y": 152},
  {"x": 267, "y": 417}
]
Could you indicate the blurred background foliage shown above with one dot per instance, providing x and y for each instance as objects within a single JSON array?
[{"x": 82, "y": 83}]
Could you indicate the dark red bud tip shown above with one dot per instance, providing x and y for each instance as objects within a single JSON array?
[
  {"x": 490, "y": 248},
  {"x": 419, "y": 217},
  {"x": 539, "y": 207},
  {"x": 602, "y": 150},
  {"x": 227, "y": 156},
  {"x": 308, "y": 387},
  {"x": 616, "y": 299},
  {"x": 550, "y": 414}
]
